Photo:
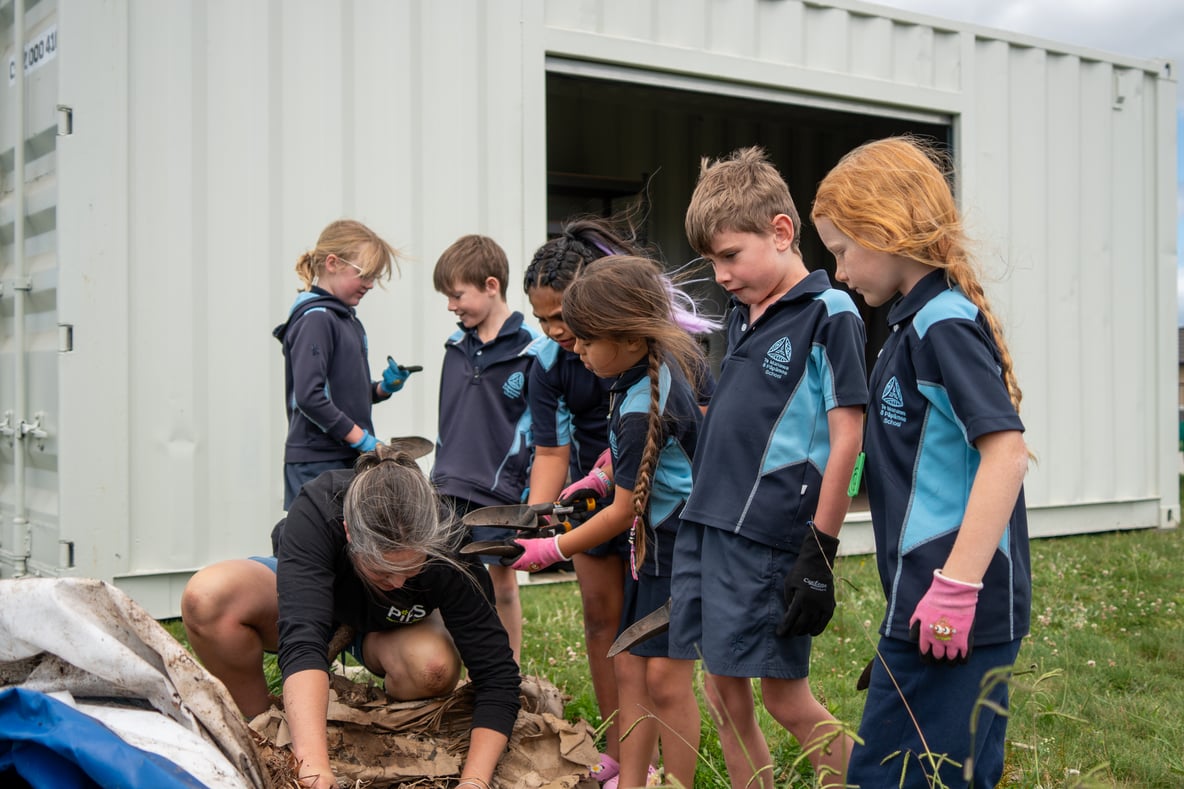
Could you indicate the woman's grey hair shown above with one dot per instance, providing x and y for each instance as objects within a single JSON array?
[{"x": 391, "y": 506}]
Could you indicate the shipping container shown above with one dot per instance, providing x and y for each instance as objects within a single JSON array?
[{"x": 163, "y": 164}]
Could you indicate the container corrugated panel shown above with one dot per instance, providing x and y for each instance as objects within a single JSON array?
[
  {"x": 36, "y": 282},
  {"x": 211, "y": 143},
  {"x": 1065, "y": 165}
]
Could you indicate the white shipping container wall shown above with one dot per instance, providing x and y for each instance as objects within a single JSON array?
[
  {"x": 1066, "y": 162},
  {"x": 178, "y": 158}
]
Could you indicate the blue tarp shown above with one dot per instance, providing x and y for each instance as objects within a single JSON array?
[{"x": 51, "y": 745}]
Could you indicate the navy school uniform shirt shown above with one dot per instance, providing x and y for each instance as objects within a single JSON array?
[
  {"x": 628, "y": 425},
  {"x": 327, "y": 385},
  {"x": 937, "y": 386},
  {"x": 766, "y": 439},
  {"x": 484, "y": 448},
  {"x": 568, "y": 406},
  {"x": 318, "y": 589}
]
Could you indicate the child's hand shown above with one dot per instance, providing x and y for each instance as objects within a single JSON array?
[
  {"x": 394, "y": 376},
  {"x": 538, "y": 554},
  {"x": 810, "y": 586},
  {"x": 596, "y": 484},
  {"x": 366, "y": 443},
  {"x": 944, "y": 619}
]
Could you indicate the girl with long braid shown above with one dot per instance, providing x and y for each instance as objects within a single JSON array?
[
  {"x": 639, "y": 347},
  {"x": 569, "y": 412},
  {"x": 569, "y": 421},
  {"x": 945, "y": 466}
]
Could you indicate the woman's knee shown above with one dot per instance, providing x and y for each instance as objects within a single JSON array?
[{"x": 234, "y": 591}]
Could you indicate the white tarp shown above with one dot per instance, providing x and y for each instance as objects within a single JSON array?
[{"x": 89, "y": 644}]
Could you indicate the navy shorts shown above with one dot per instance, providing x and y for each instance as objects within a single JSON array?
[
  {"x": 943, "y": 699},
  {"x": 728, "y": 600},
  {"x": 297, "y": 474},
  {"x": 616, "y": 546},
  {"x": 644, "y": 596}
]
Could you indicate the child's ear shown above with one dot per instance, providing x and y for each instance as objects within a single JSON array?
[
  {"x": 493, "y": 286},
  {"x": 783, "y": 231}
]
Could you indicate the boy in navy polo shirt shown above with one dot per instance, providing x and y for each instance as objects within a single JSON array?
[
  {"x": 483, "y": 452},
  {"x": 946, "y": 461},
  {"x": 753, "y": 562}
]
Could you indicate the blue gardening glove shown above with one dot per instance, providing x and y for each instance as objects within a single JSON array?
[
  {"x": 393, "y": 377},
  {"x": 366, "y": 443},
  {"x": 810, "y": 586}
]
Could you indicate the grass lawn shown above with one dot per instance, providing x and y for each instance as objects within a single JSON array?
[
  {"x": 1098, "y": 696},
  {"x": 1097, "y": 699}
]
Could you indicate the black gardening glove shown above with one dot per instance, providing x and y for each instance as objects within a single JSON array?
[{"x": 810, "y": 586}]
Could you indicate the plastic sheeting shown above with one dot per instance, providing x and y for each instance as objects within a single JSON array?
[{"x": 113, "y": 668}]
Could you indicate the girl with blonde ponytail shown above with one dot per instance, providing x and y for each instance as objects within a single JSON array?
[
  {"x": 627, "y": 331},
  {"x": 945, "y": 466}
]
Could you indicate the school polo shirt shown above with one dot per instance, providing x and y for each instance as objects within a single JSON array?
[
  {"x": 766, "y": 439},
  {"x": 568, "y": 406},
  {"x": 484, "y": 448},
  {"x": 628, "y": 425},
  {"x": 937, "y": 387}
]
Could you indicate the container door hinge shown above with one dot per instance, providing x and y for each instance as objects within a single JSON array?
[
  {"x": 15, "y": 284},
  {"x": 66, "y": 556},
  {"x": 65, "y": 337},
  {"x": 33, "y": 429},
  {"x": 65, "y": 120}
]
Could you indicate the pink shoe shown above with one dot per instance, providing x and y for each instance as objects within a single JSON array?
[
  {"x": 652, "y": 778},
  {"x": 606, "y": 771}
]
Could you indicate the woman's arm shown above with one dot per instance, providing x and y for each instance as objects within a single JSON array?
[
  {"x": 486, "y": 746},
  {"x": 306, "y": 704},
  {"x": 1002, "y": 465}
]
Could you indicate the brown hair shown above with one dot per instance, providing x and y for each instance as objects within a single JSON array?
[
  {"x": 741, "y": 193},
  {"x": 893, "y": 196},
  {"x": 471, "y": 260},
  {"x": 391, "y": 506},
  {"x": 626, "y": 298},
  {"x": 349, "y": 240}
]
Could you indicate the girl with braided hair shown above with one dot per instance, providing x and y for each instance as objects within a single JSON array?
[
  {"x": 569, "y": 410},
  {"x": 654, "y": 418},
  {"x": 945, "y": 466},
  {"x": 373, "y": 549},
  {"x": 569, "y": 422}
]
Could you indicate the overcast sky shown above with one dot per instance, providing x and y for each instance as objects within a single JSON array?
[{"x": 1139, "y": 28}]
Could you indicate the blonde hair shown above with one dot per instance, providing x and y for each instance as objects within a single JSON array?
[
  {"x": 348, "y": 240},
  {"x": 625, "y": 298},
  {"x": 893, "y": 196},
  {"x": 740, "y": 193}
]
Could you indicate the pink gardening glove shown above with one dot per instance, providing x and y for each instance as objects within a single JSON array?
[
  {"x": 596, "y": 484},
  {"x": 944, "y": 618},
  {"x": 538, "y": 554}
]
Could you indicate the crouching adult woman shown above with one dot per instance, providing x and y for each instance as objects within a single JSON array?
[{"x": 370, "y": 548}]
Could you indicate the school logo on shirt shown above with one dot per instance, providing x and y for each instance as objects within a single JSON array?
[
  {"x": 406, "y": 616},
  {"x": 892, "y": 404},
  {"x": 514, "y": 385},
  {"x": 776, "y": 363}
]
